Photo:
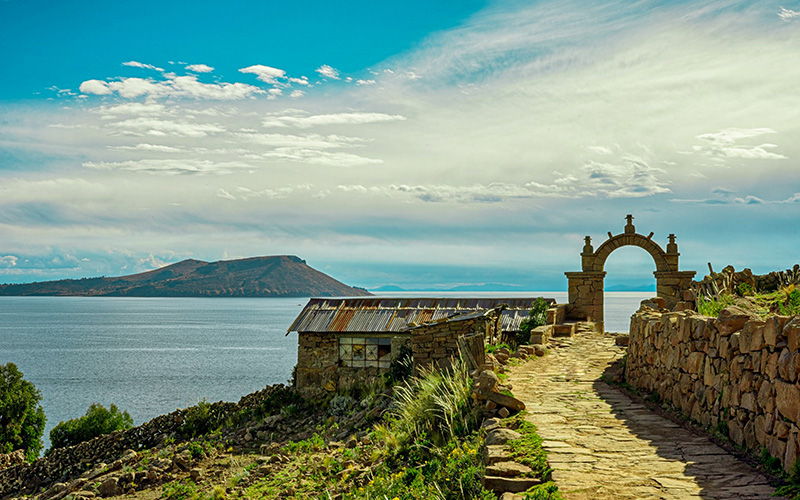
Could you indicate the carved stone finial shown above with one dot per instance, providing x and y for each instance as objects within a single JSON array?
[
  {"x": 630, "y": 228},
  {"x": 672, "y": 247},
  {"x": 587, "y": 248}
]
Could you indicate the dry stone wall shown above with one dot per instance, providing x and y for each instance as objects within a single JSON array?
[
  {"x": 65, "y": 463},
  {"x": 736, "y": 374}
]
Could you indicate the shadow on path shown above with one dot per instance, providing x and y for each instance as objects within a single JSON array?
[{"x": 602, "y": 444}]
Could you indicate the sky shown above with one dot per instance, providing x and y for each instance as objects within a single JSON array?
[{"x": 398, "y": 144}]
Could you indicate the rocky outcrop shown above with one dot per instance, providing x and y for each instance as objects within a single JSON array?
[{"x": 736, "y": 374}]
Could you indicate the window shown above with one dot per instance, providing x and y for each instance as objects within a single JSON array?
[{"x": 363, "y": 352}]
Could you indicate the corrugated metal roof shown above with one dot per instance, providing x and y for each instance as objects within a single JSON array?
[{"x": 383, "y": 315}]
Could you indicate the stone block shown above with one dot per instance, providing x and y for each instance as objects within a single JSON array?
[
  {"x": 787, "y": 399},
  {"x": 694, "y": 362},
  {"x": 792, "y": 331},
  {"x": 773, "y": 329},
  {"x": 509, "y": 484},
  {"x": 731, "y": 319}
]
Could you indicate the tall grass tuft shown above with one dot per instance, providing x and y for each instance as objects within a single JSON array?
[{"x": 434, "y": 405}]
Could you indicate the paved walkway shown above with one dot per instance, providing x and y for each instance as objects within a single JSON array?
[{"x": 602, "y": 445}]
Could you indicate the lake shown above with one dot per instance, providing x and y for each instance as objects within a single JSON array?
[{"x": 150, "y": 356}]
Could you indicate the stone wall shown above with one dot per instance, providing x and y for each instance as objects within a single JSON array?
[
  {"x": 735, "y": 374},
  {"x": 64, "y": 463},
  {"x": 436, "y": 344},
  {"x": 318, "y": 367}
]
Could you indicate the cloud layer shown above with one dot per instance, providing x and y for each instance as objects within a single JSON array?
[{"x": 495, "y": 145}]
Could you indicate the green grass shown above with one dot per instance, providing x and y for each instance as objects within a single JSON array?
[
  {"x": 528, "y": 449},
  {"x": 714, "y": 306}
]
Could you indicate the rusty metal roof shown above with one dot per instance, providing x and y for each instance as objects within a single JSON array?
[{"x": 388, "y": 315}]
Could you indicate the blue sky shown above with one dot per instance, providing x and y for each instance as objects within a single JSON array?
[{"x": 415, "y": 144}]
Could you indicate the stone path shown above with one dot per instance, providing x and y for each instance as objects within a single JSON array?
[{"x": 602, "y": 445}]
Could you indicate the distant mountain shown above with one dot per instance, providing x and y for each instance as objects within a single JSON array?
[
  {"x": 483, "y": 287},
  {"x": 277, "y": 276}
]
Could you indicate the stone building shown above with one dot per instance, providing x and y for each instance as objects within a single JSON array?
[{"x": 344, "y": 341}]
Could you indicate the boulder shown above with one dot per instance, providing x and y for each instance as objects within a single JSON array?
[
  {"x": 501, "y": 436},
  {"x": 108, "y": 488},
  {"x": 509, "y": 402}
]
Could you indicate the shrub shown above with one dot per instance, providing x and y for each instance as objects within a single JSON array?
[
  {"x": 97, "y": 421},
  {"x": 21, "y": 416},
  {"x": 536, "y": 318},
  {"x": 198, "y": 420}
]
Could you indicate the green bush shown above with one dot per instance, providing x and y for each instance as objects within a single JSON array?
[
  {"x": 97, "y": 421},
  {"x": 536, "y": 318},
  {"x": 21, "y": 416},
  {"x": 198, "y": 420}
]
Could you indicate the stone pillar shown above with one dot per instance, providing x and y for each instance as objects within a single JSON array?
[
  {"x": 586, "y": 296},
  {"x": 671, "y": 284}
]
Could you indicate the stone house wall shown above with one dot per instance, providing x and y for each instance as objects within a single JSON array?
[
  {"x": 435, "y": 344},
  {"x": 735, "y": 374},
  {"x": 319, "y": 369}
]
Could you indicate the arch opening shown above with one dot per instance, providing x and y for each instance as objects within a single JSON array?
[{"x": 629, "y": 280}]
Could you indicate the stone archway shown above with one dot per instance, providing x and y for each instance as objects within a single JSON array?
[{"x": 586, "y": 287}]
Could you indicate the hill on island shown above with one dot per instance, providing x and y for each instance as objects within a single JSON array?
[{"x": 276, "y": 276}]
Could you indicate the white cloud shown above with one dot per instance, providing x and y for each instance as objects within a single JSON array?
[
  {"x": 320, "y": 157},
  {"x": 266, "y": 74},
  {"x": 131, "y": 108},
  {"x": 301, "y": 121},
  {"x": 8, "y": 261},
  {"x": 300, "y": 81},
  {"x": 200, "y": 68},
  {"x": 601, "y": 150},
  {"x": 137, "y": 64},
  {"x": 328, "y": 72},
  {"x": 158, "y": 148},
  {"x": 787, "y": 15},
  {"x": 156, "y": 127},
  {"x": 315, "y": 141},
  {"x": 174, "y": 86},
  {"x": 96, "y": 87},
  {"x": 365, "y": 82},
  {"x": 173, "y": 167},
  {"x": 297, "y": 93},
  {"x": 723, "y": 144},
  {"x": 224, "y": 194}
]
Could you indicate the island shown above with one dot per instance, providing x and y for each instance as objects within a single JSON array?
[{"x": 272, "y": 276}]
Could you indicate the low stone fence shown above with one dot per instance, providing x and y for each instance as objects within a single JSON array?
[
  {"x": 64, "y": 463},
  {"x": 736, "y": 374}
]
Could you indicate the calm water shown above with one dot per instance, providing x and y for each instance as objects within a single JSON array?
[{"x": 150, "y": 356}]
